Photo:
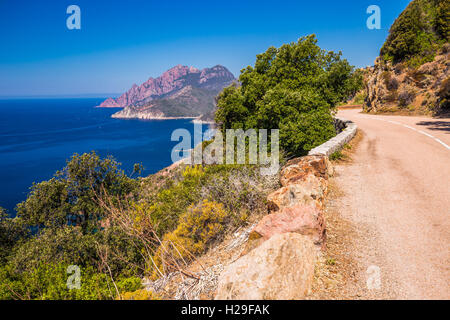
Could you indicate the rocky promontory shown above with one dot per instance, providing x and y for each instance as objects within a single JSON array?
[{"x": 180, "y": 92}]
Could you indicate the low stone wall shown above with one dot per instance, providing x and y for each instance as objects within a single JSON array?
[{"x": 347, "y": 130}]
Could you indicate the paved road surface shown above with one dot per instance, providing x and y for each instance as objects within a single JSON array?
[{"x": 398, "y": 187}]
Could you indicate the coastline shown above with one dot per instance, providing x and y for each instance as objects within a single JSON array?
[{"x": 143, "y": 116}]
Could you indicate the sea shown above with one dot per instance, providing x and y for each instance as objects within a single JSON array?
[{"x": 38, "y": 136}]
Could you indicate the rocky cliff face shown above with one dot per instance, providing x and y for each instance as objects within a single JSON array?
[
  {"x": 396, "y": 87},
  {"x": 155, "y": 97},
  {"x": 412, "y": 73}
]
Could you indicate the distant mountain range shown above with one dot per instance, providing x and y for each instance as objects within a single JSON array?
[{"x": 180, "y": 92}]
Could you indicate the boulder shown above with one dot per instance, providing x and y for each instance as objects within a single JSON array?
[
  {"x": 282, "y": 268},
  {"x": 296, "y": 170},
  {"x": 303, "y": 219},
  {"x": 310, "y": 190}
]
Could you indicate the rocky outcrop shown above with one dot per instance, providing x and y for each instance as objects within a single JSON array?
[
  {"x": 174, "y": 79},
  {"x": 181, "y": 92},
  {"x": 397, "y": 87},
  {"x": 282, "y": 268}
]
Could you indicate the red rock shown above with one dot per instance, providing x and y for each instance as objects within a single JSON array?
[
  {"x": 303, "y": 219},
  {"x": 309, "y": 190},
  {"x": 172, "y": 80},
  {"x": 296, "y": 170},
  {"x": 282, "y": 268}
]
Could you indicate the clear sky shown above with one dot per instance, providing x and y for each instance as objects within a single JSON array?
[{"x": 126, "y": 42}]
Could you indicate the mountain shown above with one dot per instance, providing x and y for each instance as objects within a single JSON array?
[
  {"x": 412, "y": 74},
  {"x": 181, "y": 91},
  {"x": 188, "y": 102}
]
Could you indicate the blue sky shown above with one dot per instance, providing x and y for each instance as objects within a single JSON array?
[{"x": 126, "y": 42}]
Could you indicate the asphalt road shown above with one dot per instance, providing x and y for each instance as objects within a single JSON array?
[{"x": 398, "y": 187}]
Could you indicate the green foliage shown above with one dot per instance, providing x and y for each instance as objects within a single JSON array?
[
  {"x": 61, "y": 224},
  {"x": 141, "y": 294},
  {"x": 11, "y": 231},
  {"x": 337, "y": 155},
  {"x": 418, "y": 33},
  {"x": 359, "y": 98},
  {"x": 197, "y": 227},
  {"x": 444, "y": 94},
  {"x": 70, "y": 197},
  {"x": 293, "y": 88},
  {"x": 66, "y": 244},
  {"x": 168, "y": 204},
  {"x": 49, "y": 282}
]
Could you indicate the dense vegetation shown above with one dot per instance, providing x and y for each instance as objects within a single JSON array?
[
  {"x": 418, "y": 33},
  {"x": 293, "y": 88},
  {"x": 60, "y": 224},
  {"x": 118, "y": 230}
]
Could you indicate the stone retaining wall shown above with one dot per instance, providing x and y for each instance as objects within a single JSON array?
[{"x": 338, "y": 142}]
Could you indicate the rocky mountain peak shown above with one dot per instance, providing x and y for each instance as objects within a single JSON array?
[{"x": 172, "y": 80}]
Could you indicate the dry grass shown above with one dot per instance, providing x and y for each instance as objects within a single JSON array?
[
  {"x": 335, "y": 272},
  {"x": 335, "y": 267},
  {"x": 348, "y": 150},
  {"x": 206, "y": 269}
]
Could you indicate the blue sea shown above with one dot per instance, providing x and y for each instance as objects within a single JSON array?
[{"x": 37, "y": 136}]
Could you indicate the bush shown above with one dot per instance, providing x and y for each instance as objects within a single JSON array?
[
  {"x": 12, "y": 230},
  {"x": 444, "y": 95},
  {"x": 198, "y": 227},
  {"x": 49, "y": 282},
  {"x": 141, "y": 294},
  {"x": 405, "y": 98},
  {"x": 360, "y": 97}
]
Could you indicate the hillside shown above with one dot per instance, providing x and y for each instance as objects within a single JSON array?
[
  {"x": 179, "y": 92},
  {"x": 189, "y": 102},
  {"x": 411, "y": 75}
]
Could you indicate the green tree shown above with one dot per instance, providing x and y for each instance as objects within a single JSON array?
[
  {"x": 417, "y": 34},
  {"x": 11, "y": 231},
  {"x": 293, "y": 88},
  {"x": 71, "y": 196}
]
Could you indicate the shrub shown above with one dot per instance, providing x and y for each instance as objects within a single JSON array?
[
  {"x": 337, "y": 155},
  {"x": 172, "y": 200},
  {"x": 360, "y": 97},
  {"x": 405, "y": 98},
  {"x": 242, "y": 190},
  {"x": 141, "y": 294},
  {"x": 11, "y": 231},
  {"x": 49, "y": 282},
  {"x": 444, "y": 94},
  {"x": 198, "y": 227}
]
